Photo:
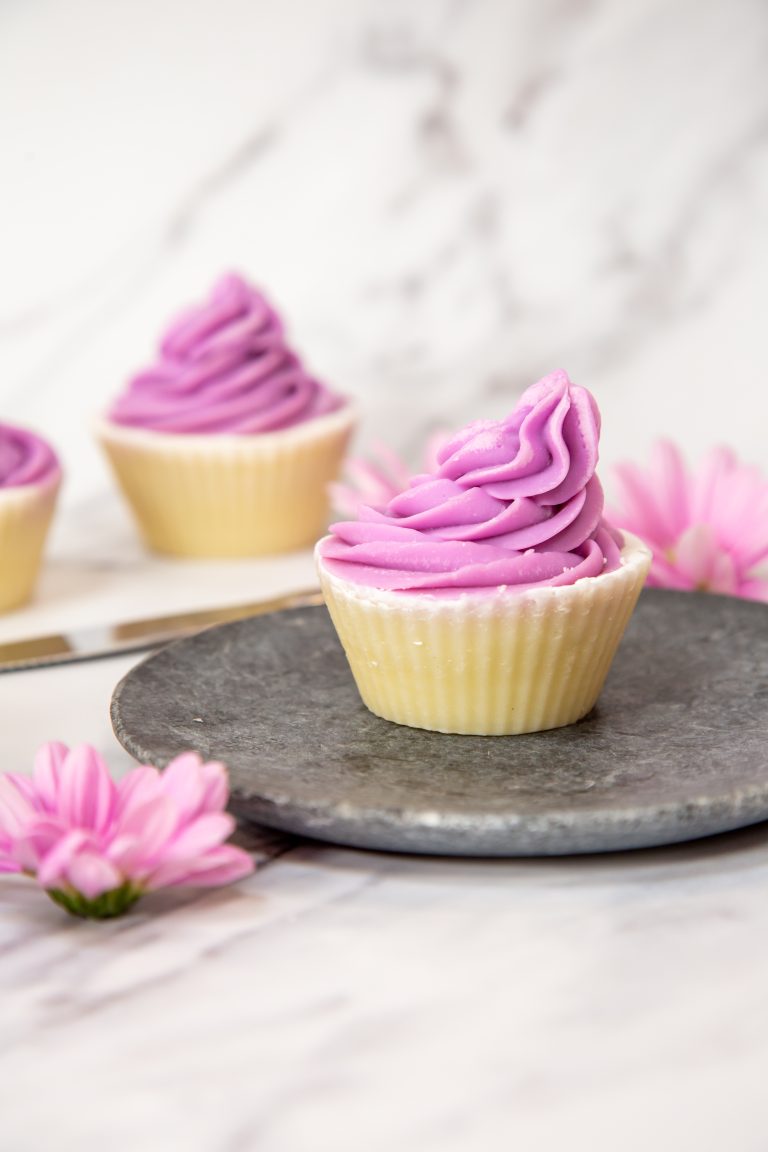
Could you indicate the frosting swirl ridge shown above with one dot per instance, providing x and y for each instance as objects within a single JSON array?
[
  {"x": 25, "y": 458},
  {"x": 512, "y": 502},
  {"x": 224, "y": 367}
]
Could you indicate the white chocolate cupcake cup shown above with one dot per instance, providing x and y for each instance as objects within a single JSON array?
[
  {"x": 224, "y": 495},
  {"x": 25, "y": 516},
  {"x": 488, "y": 663}
]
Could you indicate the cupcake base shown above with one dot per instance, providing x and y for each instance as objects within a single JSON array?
[
  {"x": 224, "y": 496},
  {"x": 25, "y": 515},
  {"x": 486, "y": 663}
]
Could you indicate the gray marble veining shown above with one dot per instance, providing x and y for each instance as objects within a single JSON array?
[{"x": 447, "y": 200}]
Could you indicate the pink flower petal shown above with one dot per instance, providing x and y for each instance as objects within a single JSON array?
[
  {"x": 709, "y": 479},
  {"x": 722, "y": 576},
  {"x": 754, "y": 589},
  {"x": 707, "y": 531},
  {"x": 183, "y": 783},
  {"x": 129, "y": 855},
  {"x": 197, "y": 838},
  {"x": 55, "y": 864},
  {"x": 663, "y": 574},
  {"x": 694, "y": 554},
  {"x": 672, "y": 483},
  {"x": 195, "y": 787},
  {"x": 216, "y": 780},
  {"x": 8, "y": 862},
  {"x": 699, "y": 557},
  {"x": 153, "y": 826},
  {"x": 87, "y": 794},
  {"x": 47, "y": 773},
  {"x": 139, "y": 787},
  {"x": 91, "y": 875},
  {"x": 638, "y": 509},
  {"x": 26, "y": 786},
  {"x": 755, "y": 543},
  {"x": 16, "y": 811},
  {"x": 32, "y": 847},
  {"x": 221, "y": 865}
]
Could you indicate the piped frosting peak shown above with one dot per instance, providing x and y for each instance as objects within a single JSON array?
[
  {"x": 25, "y": 458},
  {"x": 224, "y": 367},
  {"x": 511, "y": 502}
]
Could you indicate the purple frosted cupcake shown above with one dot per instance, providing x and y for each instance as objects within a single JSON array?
[
  {"x": 489, "y": 596},
  {"x": 30, "y": 476},
  {"x": 226, "y": 445}
]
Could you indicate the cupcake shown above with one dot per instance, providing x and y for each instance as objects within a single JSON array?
[
  {"x": 489, "y": 597},
  {"x": 226, "y": 445},
  {"x": 30, "y": 476}
]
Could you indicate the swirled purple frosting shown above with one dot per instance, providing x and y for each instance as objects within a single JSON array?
[
  {"x": 25, "y": 458},
  {"x": 224, "y": 367},
  {"x": 514, "y": 502}
]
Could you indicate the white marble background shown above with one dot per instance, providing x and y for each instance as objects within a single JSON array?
[{"x": 447, "y": 199}]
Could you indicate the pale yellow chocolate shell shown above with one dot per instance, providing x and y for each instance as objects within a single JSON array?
[
  {"x": 224, "y": 495},
  {"x": 488, "y": 663},
  {"x": 25, "y": 516}
]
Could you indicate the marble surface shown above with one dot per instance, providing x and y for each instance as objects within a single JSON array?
[
  {"x": 341, "y": 1000},
  {"x": 447, "y": 198}
]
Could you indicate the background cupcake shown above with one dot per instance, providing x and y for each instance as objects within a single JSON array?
[
  {"x": 30, "y": 476},
  {"x": 489, "y": 596},
  {"x": 226, "y": 445}
]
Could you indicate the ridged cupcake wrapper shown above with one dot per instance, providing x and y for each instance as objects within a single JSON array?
[
  {"x": 229, "y": 495},
  {"x": 487, "y": 663},
  {"x": 25, "y": 516}
]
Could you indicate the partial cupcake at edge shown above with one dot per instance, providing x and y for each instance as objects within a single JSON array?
[
  {"x": 489, "y": 597},
  {"x": 226, "y": 445},
  {"x": 30, "y": 477}
]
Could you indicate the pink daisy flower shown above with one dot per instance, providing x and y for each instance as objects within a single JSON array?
[
  {"x": 96, "y": 846},
  {"x": 708, "y": 529}
]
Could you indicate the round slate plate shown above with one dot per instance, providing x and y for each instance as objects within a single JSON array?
[{"x": 677, "y": 747}]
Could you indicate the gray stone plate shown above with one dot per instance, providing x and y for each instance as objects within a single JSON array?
[{"x": 677, "y": 747}]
